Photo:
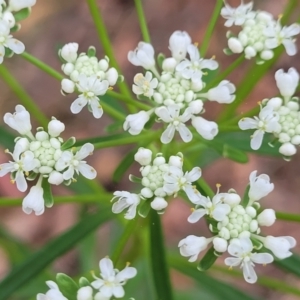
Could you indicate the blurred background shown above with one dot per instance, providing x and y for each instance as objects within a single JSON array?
[{"x": 55, "y": 23}]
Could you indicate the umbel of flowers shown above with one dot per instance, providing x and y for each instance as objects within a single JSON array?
[
  {"x": 160, "y": 180},
  {"x": 259, "y": 34},
  {"x": 44, "y": 156},
  {"x": 88, "y": 77},
  {"x": 11, "y": 12},
  {"x": 109, "y": 285},
  {"x": 279, "y": 115},
  {"x": 177, "y": 93},
  {"x": 236, "y": 227}
]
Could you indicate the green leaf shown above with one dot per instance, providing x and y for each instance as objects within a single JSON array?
[
  {"x": 124, "y": 165},
  {"x": 68, "y": 143},
  {"x": 67, "y": 286},
  {"x": 159, "y": 266},
  {"x": 144, "y": 208},
  {"x": 208, "y": 260},
  {"x": 218, "y": 289},
  {"x": 47, "y": 193},
  {"x": 22, "y": 14},
  {"x": 36, "y": 263},
  {"x": 84, "y": 282}
]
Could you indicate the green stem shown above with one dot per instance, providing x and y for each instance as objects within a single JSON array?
[
  {"x": 94, "y": 198},
  {"x": 287, "y": 217},
  {"x": 112, "y": 111},
  {"x": 142, "y": 21},
  {"x": 25, "y": 99},
  {"x": 41, "y": 65},
  {"x": 253, "y": 112},
  {"x": 131, "y": 225},
  {"x": 210, "y": 28}
]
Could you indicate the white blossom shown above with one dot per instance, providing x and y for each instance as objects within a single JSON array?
[
  {"x": 178, "y": 43},
  {"x": 90, "y": 87},
  {"x": 241, "y": 249},
  {"x": 144, "y": 85},
  {"x": 192, "y": 245},
  {"x": 75, "y": 163},
  {"x": 143, "y": 156},
  {"x": 171, "y": 115},
  {"x": 112, "y": 281},
  {"x": 223, "y": 93},
  {"x": 207, "y": 129},
  {"x": 126, "y": 200},
  {"x": 55, "y": 127},
  {"x": 280, "y": 246},
  {"x": 260, "y": 186},
  {"x": 143, "y": 56},
  {"x": 112, "y": 76},
  {"x": 287, "y": 82},
  {"x": 67, "y": 86},
  {"x": 267, "y": 217},
  {"x": 268, "y": 121},
  {"x": 69, "y": 52},
  {"x": 287, "y": 149},
  {"x": 235, "y": 45},
  {"x": 53, "y": 294},
  {"x": 34, "y": 201},
  {"x": 220, "y": 245},
  {"x": 135, "y": 123},
  {"x": 159, "y": 203}
]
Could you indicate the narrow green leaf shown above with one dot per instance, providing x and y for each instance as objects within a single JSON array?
[
  {"x": 27, "y": 270},
  {"x": 290, "y": 264},
  {"x": 68, "y": 143},
  {"x": 160, "y": 271},
  {"x": 124, "y": 165},
  {"x": 47, "y": 193},
  {"x": 245, "y": 199},
  {"x": 234, "y": 154},
  {"x": 67, "y": 286},
  {"x": 207, "y": 260},
  {"x": 144, "y": 208}
]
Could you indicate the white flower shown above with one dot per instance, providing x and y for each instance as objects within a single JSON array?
[
  {"x": 144, "y": 85},
  {"x": 207, "y": 129},
  {"x": 223, "y": 93},
  {"x": 75, "y": 163},
  {"x": 112, "y": 280},
  {"x": 53, "y": 294},
  {"x": 90, "y": 87},
  {"x": 175, "y": 180},
  {"x": 34, "y": 201},
  {"x": 178, "y": 42},
  {"x": 55, "y": 128},
  {"x": 85, "y": 293},
  {"x": 267, "y": 217},
  {"x": 192, "y": 69},
  {"x": 192, "y": 245},
  {"x": 287, "y": 82},
  {"x": 135, "y": 123},
  {"x": 143, "y": 56},
  {"x": 16, "y": 5},
  {"x": 126, "y": 201},
  {"x": 260, "y": 186},
  {"x": 69, "y": 52},
  {"x": 214, "y": 208},
  {"x": 277, "y": 35},
  {"x": 241, "y": 250},
  {"x": 280, "y": 245},
  {"x": 268, "y": 121},
  {"x": 143, "y": 156},
  {"x": 171, "y": 115},
  {"x": 236, "y": 16},
  {"x": 6, "y": 40},
  {"x": 19, "y": 121},
  {"x": 23, "y": 162}
]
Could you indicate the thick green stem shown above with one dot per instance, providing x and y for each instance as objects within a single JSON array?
[
  {"x": 142, "y": 21},
  {"x": 287, "y": 217},
  {"x": 210, "y": 27},
  {"x": 25, "y": 99}
]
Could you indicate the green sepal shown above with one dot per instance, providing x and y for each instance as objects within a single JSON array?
[
  {"x": 260, "y": 61},
  {"x": 124, "y": 165},
  {"x": 47, "y": 193},
  {"x": 84, "y": 282},
  {"x": 234, "y": 154},
  {"x": 91, "y": 51},
  {"x": 135, "y": 179},
  {"x": 208, "y": 260},
  {"x": 227, "y": 51},
  {"x": 120, "y": 78},
  {"x": 31, "y": 176},
  {"x": 257, "y": 245},
  {"x": 160, "y": 59},
  {"x": 17, "y": 27},
  {"x": 144, "y": 208},
  {"x": 22, "y": 14},
  {"x": 8, "y": 52},
  {"x": 246, "y": 199},
  {"x": 67, "y": 286},
  {"x": 68, "y": 143}
]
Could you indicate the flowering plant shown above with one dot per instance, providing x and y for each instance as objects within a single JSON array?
[{"x": 178, "y": 113}]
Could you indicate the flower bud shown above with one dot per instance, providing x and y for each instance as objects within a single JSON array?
[
  {"x": 143, "y": 156},
  {"x": 169, "y": 64},
  {"x": 68, "y": 68},
  {"x": 42, "y": 136},
  {"x": 159, "y": 203},
  {"x": 9, "y": 18},
  {"x": 175, "y": 161},
  {"x": 275, "y": 102},
  {"x": 267, "y": 217},
  {"x": 195, "y": 107},
  {"x": 69, "y": 52},
  {"x": 207, "y": 129},
  {"x": 287, "y": 82},
  {"x": 287, "y": 149},
  {"x": 85, "y": 293},
  {"x": 159, "y": 160},
  {"x": 232, "y": 199},
  {"x": 235, "y": 45},
  {"x": 112, "y": 76},
  {"x": 146, "y": 192},
  {"x": 55, "y": 178},
  {"x": 67, "y": 85},
  {"x": 251, "y": 211},
  {"x": 253, "y": 226},
  {"x": 55, "y": 128},
  {"x": 267, "y": 54},
  {"x": 250, "y": 52},
  {"x": 220, "y": 244},
  {"x": 103, "y": 64},
  {"x": 178, "y": 43}
]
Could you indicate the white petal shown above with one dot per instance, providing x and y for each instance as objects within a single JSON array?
[
  {"x": 87, "y": 171},
  {"x": 185, "y": 133},
  {"x": 96, "y": 109},
  {"x": 168, "y": 134},
  {"x": 247, "y": 123},
  {"x": 106, "y": 267},
  {"x": 86, "y": 150},
  {"x": 262, "y": 258},
  {"x": 15, "y": 45},
  {"x": 118, "y": 291},
  {"x": 194, "y": 175},
  {"x": 78, "y": 105},
  {"x": 290, "y": 47},
  {"x": 257, "y": 139},
  {"x": 21, "y": 182},
  {"x": 249, "y": 273},
  {"x": 232, "y": 261},
  {"x": 196, "y": 215}
]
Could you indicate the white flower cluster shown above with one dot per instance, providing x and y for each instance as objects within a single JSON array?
[
  {"x": 110, "y": 285},
  {"x": 177, "y": 94},
  {"x": 8, "y": 23},
  {"x": 160, "y": 179},
  {"x": 42, "y": 155},
  {"x": 89, "y": 77},
  {"x": 260, "y": 33},
  {"x": 236, "y": 228},
  {"x": 280, "y": 115}
]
